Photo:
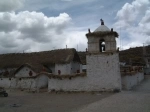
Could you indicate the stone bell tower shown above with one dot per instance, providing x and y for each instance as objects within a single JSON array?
[{"x": 103, "y": 59}]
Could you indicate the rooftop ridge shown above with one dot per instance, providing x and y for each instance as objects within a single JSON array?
[{"x": 38, "y": 51}]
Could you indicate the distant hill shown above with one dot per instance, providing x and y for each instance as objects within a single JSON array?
[{"x": 132, "y": 55}]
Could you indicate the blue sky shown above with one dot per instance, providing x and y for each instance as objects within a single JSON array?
[{"x": 39, "y": 25}]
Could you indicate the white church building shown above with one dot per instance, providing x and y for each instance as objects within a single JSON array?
[
  {"x": 103, "y": 69},
  {"x": 60, "y": 70}
]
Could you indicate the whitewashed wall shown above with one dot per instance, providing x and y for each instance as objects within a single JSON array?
[
  {"x": 7, "y": 83},
  {"x": 42, "y": 81},
  {"x": 24, "y": 72},
  {"x": 93, "y": 44},
  {"x": 75, "y": 66},
  {"x": 103, "y": 71},
  {"x": 75, "y": 84},
  {"x": 129, "y": 81},
  {"x": 67, "y": 69},
  {"x": 103, "y": 74},
  {"x": 64, "y": 68},
  {"x": 24, "y": 83}
]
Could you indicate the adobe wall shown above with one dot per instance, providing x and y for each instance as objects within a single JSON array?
[
  {"x": 103, "y": 70},
  {"x": 7, "y": 82},
  {"x": 74, "y": 84},
  {"x": 42, "y": 81},
  {"x": 64, "y": 68},
  {"x": 103, "y": 74},
  {"x": 25, "y": 83},
  {"x": 131, "y": 80},
  {"x": 75, "y": 66},
  {"x": 24, "y": 72},
  {"x": 67, "y": 69}
]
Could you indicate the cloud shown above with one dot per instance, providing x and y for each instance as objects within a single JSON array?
[
  {"x": 67, "y": 0},
  {"x": 131, "y": 12},
  {"x": 10, "y": 5},
  {"x": 31, "y": 28},
  {"x": 33, "y": 31},
  {"x": 7, "y": 24},
  {"x": 134, "y": 20},
  {"x": 57, "y": 5}
]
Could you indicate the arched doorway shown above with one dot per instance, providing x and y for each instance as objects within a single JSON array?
[{"x": 102, "y": 45}]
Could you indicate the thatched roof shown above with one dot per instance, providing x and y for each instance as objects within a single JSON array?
[
  {"x": 61, "y": 56},
  {"x": 82, "y": 56}
]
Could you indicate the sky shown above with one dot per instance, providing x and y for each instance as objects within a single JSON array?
[{"x": 42, "y": 25}]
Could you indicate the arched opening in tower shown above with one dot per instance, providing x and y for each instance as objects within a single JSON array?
[{"x": 102, "y": 45}]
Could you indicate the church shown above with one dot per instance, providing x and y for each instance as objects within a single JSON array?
[
  {"x": 61, "y": 70},
  {"x": 102, "y": 65}
]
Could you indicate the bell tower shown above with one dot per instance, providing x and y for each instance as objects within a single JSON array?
[
  {"x": 103, "y": 59},
  {"x": 102, "y": 39}
]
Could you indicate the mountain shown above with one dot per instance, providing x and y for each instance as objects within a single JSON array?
[{"x": 132, "y": 56}]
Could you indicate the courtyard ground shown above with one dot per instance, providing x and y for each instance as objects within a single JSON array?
[
  {"x": 25, "y": 101},
  {"x": 135, "y": 100}
]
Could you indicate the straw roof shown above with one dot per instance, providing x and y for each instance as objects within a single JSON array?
[
  {"x": 82, "y": 56},
  {"x": 60, "y": 56}
]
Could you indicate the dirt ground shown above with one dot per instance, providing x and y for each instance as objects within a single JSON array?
[
  {"x": 135, "y": 100},
  {"x": 25, "y": 101}
]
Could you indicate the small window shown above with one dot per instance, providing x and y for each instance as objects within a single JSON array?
[
  {"x": 102, "y": 45},
  {"x": 78, "y": 71},
  {"x": 30, "y": 73},
  {"x": 59, "y": 72}
]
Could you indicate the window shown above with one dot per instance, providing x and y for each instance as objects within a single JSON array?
[
  {"x": 59, "y": 72},
  {"x": 102, "y": 45},
  {"x": 30, "y": 73}
]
